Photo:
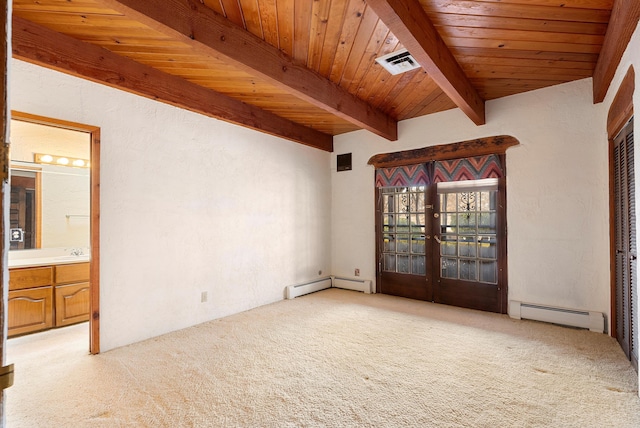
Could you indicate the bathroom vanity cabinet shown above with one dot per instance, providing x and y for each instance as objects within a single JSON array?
[{"x": 47, "y": 296}]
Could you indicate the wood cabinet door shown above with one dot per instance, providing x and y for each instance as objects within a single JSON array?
[
  {"x": 30, "y": 310},
  {"x": 72, "y": 303}
]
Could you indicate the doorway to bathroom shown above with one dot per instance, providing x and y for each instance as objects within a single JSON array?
[{"x": 54, "y": 251}]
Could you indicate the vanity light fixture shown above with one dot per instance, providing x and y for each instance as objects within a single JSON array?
[{"x": 60, "y": 160}]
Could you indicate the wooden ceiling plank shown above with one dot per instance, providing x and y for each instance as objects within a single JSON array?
[
  {"x": 269, "y": 18},
  {"x": 401, "y": 81},
  {"x": 208, "y": 33},
  {"x": 318, "y": 29},
  {"x": 364, "y": 34},
  {"x": 377, "y": 77},
  {"x": 410, "y": 24},
  {"x": 233, "y": 12},
  {"x": 624, "y": 20},
  {"x": 521, "y": 45},
  {"x": 301, "y": 28},
  {"x": 466, "y": 60},
  {"x": 369, "y": 55},
  {"x": 335, "y": 23},
  {"x": 285, "y": 9},
  {"x": 522, "y": 54},
  {"x": 523, "y": 24},
  {"x": 40, "y": 45},
  {"x": 352, "y": 21},
  {"x": 441, "y": 103},
  {"x": 506, "y": 10},
  {"x": 426, "y": 92},
  {"x": 580, "y": 4},
  {"x": 519, "y": 35},
  {"x": 251, "y": 14}
]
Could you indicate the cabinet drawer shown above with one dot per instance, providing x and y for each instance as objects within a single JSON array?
[
  {"x": 72, "y": 303},
  {"x": 30, "y": 277},
  {"x": 77, "y": 272},
  {"x": 30, "y": 310}
]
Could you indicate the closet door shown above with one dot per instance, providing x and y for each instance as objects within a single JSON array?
[{"x": 625, "y": 243}]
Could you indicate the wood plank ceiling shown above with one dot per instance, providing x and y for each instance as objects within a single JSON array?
[{"x": 308, "y": 66}]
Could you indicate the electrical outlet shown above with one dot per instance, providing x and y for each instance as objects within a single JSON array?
[
  {"x": 357, "y": 272},
  {"x": 203, "y": 297}
]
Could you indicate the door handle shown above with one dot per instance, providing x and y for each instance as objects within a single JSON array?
[{"x": 437, "y": 238}]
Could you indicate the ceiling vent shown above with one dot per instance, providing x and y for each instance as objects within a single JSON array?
[{"x": 398, "y": 62}]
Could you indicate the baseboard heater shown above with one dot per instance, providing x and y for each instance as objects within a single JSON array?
[
  {"x": 593, "y": 321},
  {"x": 356, "y": 284}
]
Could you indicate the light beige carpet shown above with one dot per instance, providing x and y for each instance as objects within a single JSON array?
[{"x": 332, "y": 359}]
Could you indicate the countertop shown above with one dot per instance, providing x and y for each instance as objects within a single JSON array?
[{"x": 47, "y": 261}]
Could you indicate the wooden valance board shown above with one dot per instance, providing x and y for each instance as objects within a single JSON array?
[{"x": 496, "y": 145}]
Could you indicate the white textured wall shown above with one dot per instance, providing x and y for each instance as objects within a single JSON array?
[
  {"x": 188, "y": 204},
  {"x": 557, "y": 190}
]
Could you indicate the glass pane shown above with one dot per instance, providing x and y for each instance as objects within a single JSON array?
[
  {"x": 488, "y": 248},
  {"x": 417, "y": 223},
  {"x": 467, "y": 246},
  {"x": 388, "y": 224},
  {"x": 417, "y": 202},
  {"x": 390, "y": 262},
  {"x": 449, "y": 246},
  {"x": 468, "y": 270},
  {"x": 387, "y": 203},
  {"x": 403, "y": 202},
  {"x": 467, "y": 201},
  {"x": 489, "y": 272},
  {"x": 449, "y": 268},
  {"x": 402, "y": 245},
  {"x": 448, "y": 223},
  {"x": 487, "y": 223},
  {"x": 417, "y": 265},
  {"x": 403, "y": 264},
  {"x": 417, "y": 244},
  {"x": 403, "y": 223},
  {"x": 467, "y": 224},
  {"x": 389, "y": 243},
  {"x": 448, "y": 202},
  {"x": 487, "y": 201}
]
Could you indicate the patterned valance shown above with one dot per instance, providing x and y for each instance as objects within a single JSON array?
[
  {"x": 473, "y": 168},
  {"x": 403, "y": 176}
]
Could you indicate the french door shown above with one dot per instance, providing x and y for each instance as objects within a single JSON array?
[{"x": 444, "y": 243}]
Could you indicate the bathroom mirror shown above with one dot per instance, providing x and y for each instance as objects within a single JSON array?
[{"x": 50, "y": 187}]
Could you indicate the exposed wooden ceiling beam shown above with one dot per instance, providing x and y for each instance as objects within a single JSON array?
[
  {"x": 212, "y": 34},
  {"x": 624, "y": 20},
  {"x": 42, "y": 46},
  {"x": 408, "y": 21}
]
